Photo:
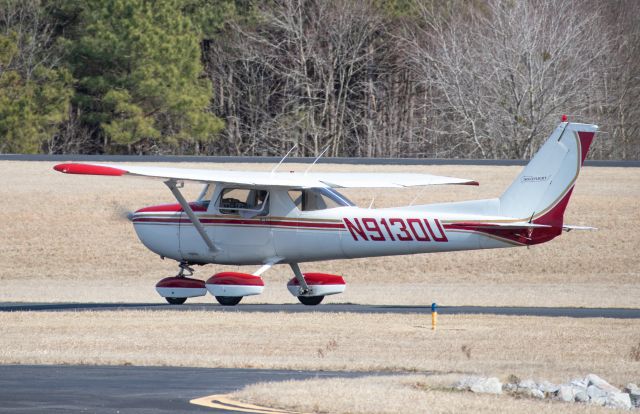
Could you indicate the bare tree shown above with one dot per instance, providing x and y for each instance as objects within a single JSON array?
[
  {"x": 499, "y": 74},
  {"x": 620, "y": 112},
  {"x": 309, "y": 64}
]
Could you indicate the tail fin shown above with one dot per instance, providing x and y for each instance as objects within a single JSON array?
[{"x": 541, "y": 192}]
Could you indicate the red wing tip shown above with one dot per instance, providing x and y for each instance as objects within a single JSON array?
[
  {"x": 471, "y": 183},
  {"x": 88, "y": 169}
]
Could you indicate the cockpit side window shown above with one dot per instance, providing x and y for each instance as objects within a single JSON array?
[
  {"x": 313, "y": 199},
  {"x": 243, "y": 201}
]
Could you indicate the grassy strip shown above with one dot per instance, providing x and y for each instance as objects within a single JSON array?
[{"x": 528, "y": 347}]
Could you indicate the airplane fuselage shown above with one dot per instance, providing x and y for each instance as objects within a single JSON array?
[
  {"x": 266, "y": 218},
  {"x": 286, "y": 234}
]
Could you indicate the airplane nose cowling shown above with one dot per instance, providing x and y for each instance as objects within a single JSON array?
[{"x": 157, "y": 228}]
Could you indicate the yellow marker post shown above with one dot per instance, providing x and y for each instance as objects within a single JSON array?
[{"x": 434, "y": 316}]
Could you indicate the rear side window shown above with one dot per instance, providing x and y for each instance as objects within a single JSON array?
[
  {"x": 243, "y": 201},
  {"x": 316, "y": 199}
]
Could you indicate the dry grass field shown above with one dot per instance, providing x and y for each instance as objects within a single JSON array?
[
  {"x": 395, "y": 394},
  {"x": 556, "y": 349},
  {"x": 65, "y": 238}
]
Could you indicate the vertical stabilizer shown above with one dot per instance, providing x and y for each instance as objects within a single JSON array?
[{"x": 541, "y": 192}]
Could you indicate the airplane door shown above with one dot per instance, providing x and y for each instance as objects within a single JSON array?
[
  {"x": 238, "y": 222},
  {"x": 307, "y": 232}
]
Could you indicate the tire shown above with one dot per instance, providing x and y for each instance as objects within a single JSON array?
[
  {"x": 176, "y": 301},
  {"x": 310, "y": 300},
  {"x": 228, "y": 300}
]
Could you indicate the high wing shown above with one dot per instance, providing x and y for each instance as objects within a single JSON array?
[{"x": 276, "y": 179}]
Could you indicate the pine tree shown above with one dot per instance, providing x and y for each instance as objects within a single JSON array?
[
  {"x": 140, "y": 76},
  {"x": 33, "y": 101}
]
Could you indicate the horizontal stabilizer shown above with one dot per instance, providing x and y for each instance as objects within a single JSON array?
[
  {"x": 498, "y": 225},
  {"x": 567, "y": 227}
]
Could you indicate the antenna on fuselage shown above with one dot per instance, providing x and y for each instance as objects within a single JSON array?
[
  {"x": 316, "y": 160},
  {"x": 284, "y": 158}
]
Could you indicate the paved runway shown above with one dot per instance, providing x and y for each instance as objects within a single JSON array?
[
  {"x": 621, "y": 313},
  {"x": 126, "y": 389}
]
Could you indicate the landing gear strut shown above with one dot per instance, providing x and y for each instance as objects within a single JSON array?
[
  {"x": 184, "y": 268},
  {"x": 304, "y": 289},
  {"x": 178, "y": 288}
]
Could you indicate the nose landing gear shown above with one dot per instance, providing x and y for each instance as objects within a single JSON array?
[{"x": 176, "y": 290}]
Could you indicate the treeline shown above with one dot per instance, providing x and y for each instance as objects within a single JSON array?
[{"x": 366, "y": 78}]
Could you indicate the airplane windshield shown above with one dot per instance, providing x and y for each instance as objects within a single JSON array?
[
  {"x": 205, "y": 195},
  {"x": 313, "y": 199}
]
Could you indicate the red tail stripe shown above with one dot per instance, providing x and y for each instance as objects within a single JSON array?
[{"x": 586, "y": 138}]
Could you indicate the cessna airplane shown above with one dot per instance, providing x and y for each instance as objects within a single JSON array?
[{"x": 268, "y": 218}]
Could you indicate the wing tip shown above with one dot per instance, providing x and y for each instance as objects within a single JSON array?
[{"x": 88, "y": 169}]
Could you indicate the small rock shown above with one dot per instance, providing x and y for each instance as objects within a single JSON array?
[
  {"x": 531, "y": 392},
  {"x": 580, "y": 383},
  {"x": 566, "y": 393},
  {"x": 618, "y": 400},
  {"x": 548, "y": 387},
  {"x": 581, "y": 395},
  {"x": 487, "y": 386},
  {"x": 480, "y": 385},
  {"x": 634, "y": 394},
  {"x": 528, "y": 384},
  {"x": 535, "y": 393},
  {"x": 596, "y": 395},
  {"x": 465, "y": 383},
  {"x": 593, "y": 379},
  {"x": 509, "y": 387}
]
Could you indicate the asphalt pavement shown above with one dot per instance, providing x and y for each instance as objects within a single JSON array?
[
  {"x": 127, "y": 389},
  {"x": 620, "y": 313}
]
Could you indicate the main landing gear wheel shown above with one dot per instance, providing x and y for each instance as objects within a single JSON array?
[
  {"x": 310, "y": 300},
  {"x": 228, "y": 300},
  {"x": 176, "y": 301}
]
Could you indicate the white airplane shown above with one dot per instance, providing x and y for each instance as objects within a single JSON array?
[{"x": 268, "y": 218}]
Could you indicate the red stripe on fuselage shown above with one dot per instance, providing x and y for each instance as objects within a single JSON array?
[{"x": 278, "y": 223}]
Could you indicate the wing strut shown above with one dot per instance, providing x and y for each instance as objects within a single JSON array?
[{"x": 187, "y": 209}]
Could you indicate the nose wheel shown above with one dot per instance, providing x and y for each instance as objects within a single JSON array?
[
  {"x": 310, "y": 300},
  {"x": 184, "y": 268},
  {"x": 176, "y": 301},
  {"x": 177, "y": 289}
]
